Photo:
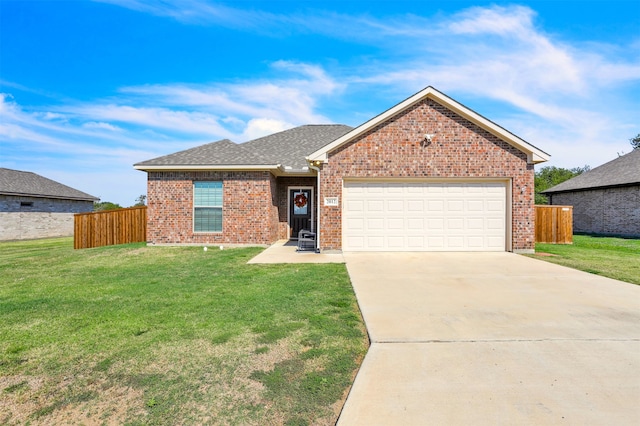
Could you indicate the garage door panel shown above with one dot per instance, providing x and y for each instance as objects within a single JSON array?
[
  {"x": 424, "y": 216},
  {"x": 495, "y": 243},
  {"x": 415, "y": 242},
  {"x": 455, "y": 242},
  {"x": 495, "y": 223},
  {"x": 355, "y": 224},
  {"x": 475, "y": 224},
  {"x": 355, "y": 242},
  {"x": 475, "y": 206},
  {"x": 375, "y": 242},
  {"x": 435, "y": 224},
  {"x": 455, "y": 206},
  {"x": 435, "y": 205},
  {"x": 394, "y": 189},
  {"x": 415, "y": 224},
  {"x": 395, "y": 223},
  {"x": 455, "y": 224},
  {"x": 415, "y": 206},
  {"x": 395, "y": 242},
  {"x": 495, "y": 205},
  {"x": 375, "y": 224},
  {"x": 375, "y": 205},
  {"x": 395, "y": 206},
  {"x": 476, "y": 242},
  {"x": 435, "y": 243}
]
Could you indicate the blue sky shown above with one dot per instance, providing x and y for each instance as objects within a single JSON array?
[{"x": 87, "y": 89}]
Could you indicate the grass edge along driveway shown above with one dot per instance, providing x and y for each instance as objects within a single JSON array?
[
  {"x": 617, "y": 258},
  {"x": 155, "y": 335}
]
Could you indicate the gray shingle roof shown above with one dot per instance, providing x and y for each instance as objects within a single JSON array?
[
  {"x": 290, "y": 147},
  {"x": 16, "y": 182},
  {"x": 624, "y": 170},
  {"x": 287, "y": 148},
  {"x": 223, "y": 152}
]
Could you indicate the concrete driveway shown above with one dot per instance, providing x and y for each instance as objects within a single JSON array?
[{"x": 493, "y": 338}]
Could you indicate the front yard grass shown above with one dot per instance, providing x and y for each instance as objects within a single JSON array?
[
  {"x": 617, "y": 258},
  {"x": 172, "y": 335}
]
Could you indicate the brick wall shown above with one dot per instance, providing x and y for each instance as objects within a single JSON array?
[
  {"x": 23, "y": 218},
  {"x": 614, "y": 211},
  {"x": 33, "y": 225},
  {"x": 250, "y": 211},
  {"x": 459, "y": 149},
  {"x": 12, "y": 203}
]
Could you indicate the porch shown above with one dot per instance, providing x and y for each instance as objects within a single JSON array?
[{"x": 284, "y": 251}]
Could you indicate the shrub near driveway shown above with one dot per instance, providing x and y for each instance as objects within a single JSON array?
[
  {"x": 167, "y": 335},
  {"x": 617, "y": 258}
]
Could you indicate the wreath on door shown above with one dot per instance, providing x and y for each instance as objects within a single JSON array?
[{"x": 300, "y": 200}]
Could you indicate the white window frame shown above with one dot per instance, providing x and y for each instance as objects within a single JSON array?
[{"x": 208, "y": 207}]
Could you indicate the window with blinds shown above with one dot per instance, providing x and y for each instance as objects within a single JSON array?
[{"x": 207, "y": 206}]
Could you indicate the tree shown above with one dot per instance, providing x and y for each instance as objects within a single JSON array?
[
  {"x": 141, "y": 201},
  {"x": 550, "y": 176},
  {"x": 635, "y": 142},
  {"x": 105, "y": 205}
]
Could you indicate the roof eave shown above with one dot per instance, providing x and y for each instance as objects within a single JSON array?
[
  {"x": 551, "y": 191},
  {"x": 200, "y": 167},
  {"x": 56, "y": 197}
]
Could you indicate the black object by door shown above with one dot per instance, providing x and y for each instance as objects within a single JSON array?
[{"x": 300, "y": 210}]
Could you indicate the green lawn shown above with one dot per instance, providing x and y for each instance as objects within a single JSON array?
[
  {"x": 166, "y": 335},
  {"x": 617, "y": 258}
]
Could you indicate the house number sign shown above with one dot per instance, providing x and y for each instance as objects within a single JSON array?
[{"x": 330, "y": 201}]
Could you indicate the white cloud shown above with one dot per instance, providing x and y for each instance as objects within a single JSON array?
[
  {"x": 258, "y": 127},
  {"x": 292, "y": 97},
  {"x": 154, "y": 120},
  {"x": 101, "y": 125},
  {"x": 513, "y": 21},
  {"x": 188, "y": 122}
]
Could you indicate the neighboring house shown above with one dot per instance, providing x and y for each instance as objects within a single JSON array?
[
  {"x": 32, "y": 206},
  {"x": 605, "y": 200},
  {"x": 427, "y": 174}
]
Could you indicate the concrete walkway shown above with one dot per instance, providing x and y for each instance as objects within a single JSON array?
[
  {"x": 284, "y": 251},
  {"x": 493, "y": 338}
]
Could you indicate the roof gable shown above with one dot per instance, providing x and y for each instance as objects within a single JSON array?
[
  {"x": 534, "y": 155},
  {"x": 20, "y": 183},
  {"x": 624, "y": 170}
]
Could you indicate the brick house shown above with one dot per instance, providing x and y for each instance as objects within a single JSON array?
[
  {"x": 606, "y": 199},
  {"x": 428, "y": 174},
  {"x": 33, "y": 206}
]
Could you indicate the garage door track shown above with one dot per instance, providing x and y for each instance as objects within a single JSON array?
[{"x": 493, "y": 338}]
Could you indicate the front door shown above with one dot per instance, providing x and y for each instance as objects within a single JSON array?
[{"x": 300, "y": 210}]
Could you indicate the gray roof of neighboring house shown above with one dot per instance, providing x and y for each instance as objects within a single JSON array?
[
  {"x": 287, "y": 148},
  {"x": 623, "y": 171},
  {"x": 16, "y": 182}
]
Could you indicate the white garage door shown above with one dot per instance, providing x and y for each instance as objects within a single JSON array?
[{"x": 424, "y": 216}]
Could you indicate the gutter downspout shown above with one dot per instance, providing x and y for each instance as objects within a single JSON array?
[{"x": 311, "y": 166}]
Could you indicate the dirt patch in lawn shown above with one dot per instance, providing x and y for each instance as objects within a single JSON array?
[{"x": 40, "y": 401}]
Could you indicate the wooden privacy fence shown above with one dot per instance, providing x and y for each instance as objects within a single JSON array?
[
  {"x": 110, "y": 227},
  {"x": 554, "y": 224}
]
